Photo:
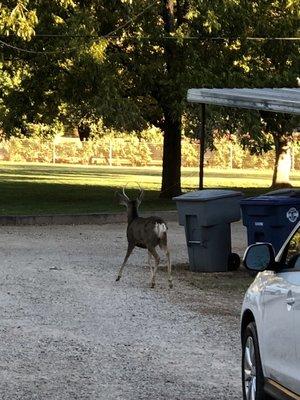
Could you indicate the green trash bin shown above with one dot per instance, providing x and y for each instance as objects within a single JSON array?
[{"x": 206, "y": 216}]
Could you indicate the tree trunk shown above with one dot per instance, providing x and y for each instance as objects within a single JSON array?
[
  {"x": 83, "y": 131},
  {"x": 282, "y": 167},
  {"x": 171, "y": 158},
  {"x": 170, "y": 98}
]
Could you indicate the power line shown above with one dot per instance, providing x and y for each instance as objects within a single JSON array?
[
  {"x": 108, "y": 35},
  {"x": 111, "y": 35},
  {"x": 36, "y": 51},
  {"x": 131, "y": 20}
]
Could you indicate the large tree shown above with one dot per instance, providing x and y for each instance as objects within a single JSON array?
[
  {"x": 274, "y": 62},
  {"x": 131, "y": 62}
]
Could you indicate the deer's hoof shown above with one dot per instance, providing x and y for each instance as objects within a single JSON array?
[
  {"x": 171, "y": 285},
  {"x": 118, "y": 278},
  {"x": 152, "y": 286}
]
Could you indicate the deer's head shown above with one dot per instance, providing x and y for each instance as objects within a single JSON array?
[{"x": 131, "y": 205}]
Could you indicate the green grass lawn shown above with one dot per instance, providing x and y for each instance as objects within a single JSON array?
[{"x": 52, "y": 189}]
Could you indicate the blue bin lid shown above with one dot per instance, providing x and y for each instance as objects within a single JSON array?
[
  {"x": 207, "y": 195},
  {"x": 291, "y": 192},
  {"x": 271, "y": 200}
]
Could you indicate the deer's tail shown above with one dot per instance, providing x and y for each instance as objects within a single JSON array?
[{"x": 160, "y": 229}]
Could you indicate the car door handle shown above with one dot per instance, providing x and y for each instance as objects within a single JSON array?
[
  {"x": 290, "y": 301},
  {"x": 274, "y": 292}
]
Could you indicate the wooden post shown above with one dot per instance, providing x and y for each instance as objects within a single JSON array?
[
  {"x": 230, "y": 155},
  {"x": 53, "y": 152},
  {"x": 110, "y": 153},
  {"x": 292, "y": 157},
  {"x": 202, "y": 145}
]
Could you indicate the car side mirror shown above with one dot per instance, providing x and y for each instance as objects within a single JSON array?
[{"x": 259, "y": 257}]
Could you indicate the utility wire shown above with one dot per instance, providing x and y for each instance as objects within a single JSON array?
[
  {"x": 111, "y": 35},
  {"x": 108, "y": 35},
  {"x": 130, "y": 20},
  {"x": 36, "y": 51}
]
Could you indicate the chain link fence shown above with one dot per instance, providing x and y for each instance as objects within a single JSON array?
[{"x": 132, "y": 151}]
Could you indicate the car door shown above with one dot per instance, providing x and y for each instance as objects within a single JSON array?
[
  {"x": 297, "y": 328},
  {"x": 278, "y": 342},
  {"x": 291, "y": 258},
  {"x": 282, "y": 318}
]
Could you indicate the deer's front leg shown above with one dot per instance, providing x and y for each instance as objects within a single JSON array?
[
  {"x": 149, "y": 258},
  {"x": 153, "y": 270},
  {"x": 129, "y": 251}
]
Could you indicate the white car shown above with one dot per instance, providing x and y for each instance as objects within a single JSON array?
[{"x": 270, "y": 323}]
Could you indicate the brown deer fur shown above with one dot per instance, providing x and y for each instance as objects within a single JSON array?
[{"x": 147, "y": 233}]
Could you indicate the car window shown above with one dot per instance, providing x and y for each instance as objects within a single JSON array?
[{"x": 292, "y": 253}]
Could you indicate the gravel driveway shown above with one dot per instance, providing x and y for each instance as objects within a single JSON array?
[{"x": 69, "y": 331}]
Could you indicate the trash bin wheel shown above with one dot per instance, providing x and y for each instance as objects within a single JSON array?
[{"x": 233, "y": 262}]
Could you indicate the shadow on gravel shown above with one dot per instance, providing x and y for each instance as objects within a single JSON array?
[{"x": 217, "y": 293}]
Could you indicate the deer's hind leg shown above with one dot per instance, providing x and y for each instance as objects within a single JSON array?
[
  {"x": 164, "y": 246},
  {"x": 129, "y": 251},
  {"x": 153, "y": 252}
]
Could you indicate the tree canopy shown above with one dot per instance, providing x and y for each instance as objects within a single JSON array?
[{"x": 130, "y": 63}]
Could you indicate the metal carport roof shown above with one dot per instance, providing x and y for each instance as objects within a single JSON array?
[{"x": 283, "y": 100}]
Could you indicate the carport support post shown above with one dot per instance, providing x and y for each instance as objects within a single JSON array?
[{"x": 202, "y": 144}]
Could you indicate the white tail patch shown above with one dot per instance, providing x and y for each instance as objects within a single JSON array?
[{"x": 160, "y": 229}]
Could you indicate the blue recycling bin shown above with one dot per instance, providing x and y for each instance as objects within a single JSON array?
[{"x": 270, "y": 218}]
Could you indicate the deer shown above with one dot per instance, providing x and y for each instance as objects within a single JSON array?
[{"x": 146, "y": 233}]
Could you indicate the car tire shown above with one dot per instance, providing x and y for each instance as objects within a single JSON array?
[{"x": 252, "y": 375}]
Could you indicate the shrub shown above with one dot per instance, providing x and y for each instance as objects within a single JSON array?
[
  {"x": 136, "y": 149},
  {"x": 190, "y": 153}
]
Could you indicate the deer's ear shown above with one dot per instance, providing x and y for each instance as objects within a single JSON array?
[{"x": 123, "y": 201}]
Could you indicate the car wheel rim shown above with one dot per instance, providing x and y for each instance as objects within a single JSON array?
[{"x": 249, "y": 369}]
